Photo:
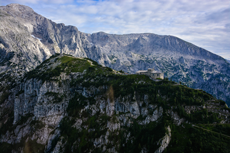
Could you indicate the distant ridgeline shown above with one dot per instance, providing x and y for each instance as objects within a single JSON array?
[{"x": 27, "y": 39}]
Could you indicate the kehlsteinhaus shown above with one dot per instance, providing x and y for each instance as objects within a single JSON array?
[{"x": 151, "y": 73}]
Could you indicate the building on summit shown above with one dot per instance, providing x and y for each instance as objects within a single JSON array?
[{"x": 151, "y": 73}]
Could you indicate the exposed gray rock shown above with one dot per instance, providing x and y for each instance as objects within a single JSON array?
[
  {"x": 27, "y": 39},
  {"x": 164, "y": 142}
]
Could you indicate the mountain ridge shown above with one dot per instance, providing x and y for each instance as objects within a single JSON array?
[
  {"x": 39, "y": 38},
  {"x": 70, "y": 104}
]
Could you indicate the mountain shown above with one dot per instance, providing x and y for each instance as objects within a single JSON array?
[
  {"x": 27, "y": 39},
  {"x": 70, "y": 104}
]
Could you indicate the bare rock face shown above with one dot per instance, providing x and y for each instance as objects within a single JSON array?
[
  {"x": 40, "y": 106},
  {"x": 27, "y": 39},
  {"x": 164, "y": 142}
]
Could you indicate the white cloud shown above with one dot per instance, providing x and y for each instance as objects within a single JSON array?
[
  {"x": 4, "y": 2},
  {"x": 204, "y": 23}
]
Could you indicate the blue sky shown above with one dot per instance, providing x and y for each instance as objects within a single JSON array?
[{"x": 205, "y": 23}]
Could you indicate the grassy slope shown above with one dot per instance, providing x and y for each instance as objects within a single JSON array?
[{"x": 192, "y": 139}]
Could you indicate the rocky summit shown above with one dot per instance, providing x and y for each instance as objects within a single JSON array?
[
  {"x": 69, "y": 104},
  {"x": 27, "y": 39}
]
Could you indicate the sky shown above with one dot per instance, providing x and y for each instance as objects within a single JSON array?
[{"x": 205, "y": 23}]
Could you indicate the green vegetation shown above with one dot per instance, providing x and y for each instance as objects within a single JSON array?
[
  {"x": 27, "y": 147},
  {"x": 164, "y": 93},
  {"x": 143, "y": 136},
  {"x": 24, "y": 119},
  {"x": 76, "y": 104},
  {"x": 220, "y": 128},
  {"x": 192, "y": 139},
  {"x": 8, "y": 122},
  {"x": 20, "y": 92},
  {"x": 73, "y": 64},
  {"x": 4, "y": 96},
  {"x": 54, "y": 143},
  {"x": 72, "y": 135},
  {"x": 5, "y": 147},
  {"x": 8, "y": 125},
  {"x": 36, "y": 124},
  {"x": 176, "y": 94},
  {"x": 199, "y": 116},
  {"x": 7, "y": 83},
  {"x": 121, "y": 71},
  {"x": 67, "y": 64},
  {"x": 57, "y": 98},
  {"x": 108, "y": 85},
  {"x": 140, "y": 135}
]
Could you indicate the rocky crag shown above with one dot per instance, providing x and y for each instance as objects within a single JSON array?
[
  {"x": 70, "y": 104},
  {"x": 27, "y": 39}
]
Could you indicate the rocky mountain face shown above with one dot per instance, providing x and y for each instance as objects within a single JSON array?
[
  {"x": 70, "y": 104},
  {"x": 27, "y": 39}
]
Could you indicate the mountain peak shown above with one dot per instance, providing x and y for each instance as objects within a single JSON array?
[
  {"x": 41, "y": 38},
  {"x": 19, "y": 7},
  {"x": 18, "y": 10}
]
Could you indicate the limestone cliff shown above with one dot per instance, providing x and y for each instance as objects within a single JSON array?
[{"x": 70, "y": 104}]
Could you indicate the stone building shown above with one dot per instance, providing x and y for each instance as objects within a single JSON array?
[{"x": 151, "y": 73}]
